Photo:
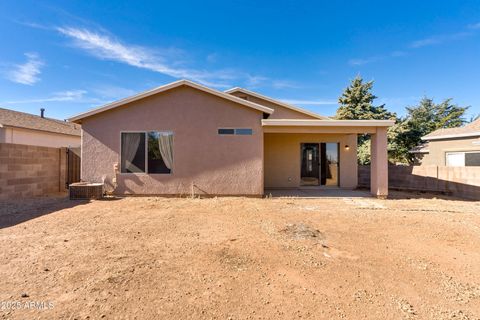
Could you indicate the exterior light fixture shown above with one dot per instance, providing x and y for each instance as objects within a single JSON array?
[{"x": 347, "y": 147}]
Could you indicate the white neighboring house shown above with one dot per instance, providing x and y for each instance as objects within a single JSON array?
[{"x": 25, "y": 128}]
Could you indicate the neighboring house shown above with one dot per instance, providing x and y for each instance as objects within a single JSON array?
[
  {"x": 453, "y": 147},
  {"x": 24, "y": 128},
  {"x": 184, "y": 138}
]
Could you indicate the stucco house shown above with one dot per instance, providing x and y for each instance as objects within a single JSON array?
[
  {"x": 453, "y": 147},
  {"x": 29, "y": 129},
  {"x": 184, "y": 137}
]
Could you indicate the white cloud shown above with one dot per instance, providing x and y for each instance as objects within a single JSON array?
[
  {"x": 107, "y": 47},
  {"x": 363, "y": 61},
  {"x": 429, "y": 41},
  {"x": 318, "y": 102},
  {"x": 166, "y": 61},
  {"x": 69, "y": 95},
  {"x": 474, "y": 26},
  {"x": 284, "y": 84},
  {"x": 28, "y": 72},
  {"x": 114, "y": 92},
  {"x": 439, "y": 39}
]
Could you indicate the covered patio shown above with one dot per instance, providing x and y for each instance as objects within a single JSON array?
[{"x": 322, "y": 154}]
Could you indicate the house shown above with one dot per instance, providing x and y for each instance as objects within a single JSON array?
[
  {"x": 184, "y": 138},
  {"x": 28, "y": 129},
  {"x": 453, "y": 147}
]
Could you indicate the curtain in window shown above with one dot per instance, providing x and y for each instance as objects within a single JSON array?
[
  {"x": 131, "y": 142},
  {"x": 165, "y": 144}
]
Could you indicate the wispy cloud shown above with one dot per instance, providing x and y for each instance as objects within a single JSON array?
[
  {"x": 363, "y": 61},
  {"x": 474, "y": 26},
  {"x": 107, "y": 47},
  {"x": 113, "y": 92},
  {"x": 69, "y": 95},
  {"x": 319, "y": 102},
  {"x": 439, "y": 39},
  {"x": 28, "y": 72},
  {"x": 417, "y": 44},
  {"x": 284, "y": 84},
  {"x": 170, "y": 61}
]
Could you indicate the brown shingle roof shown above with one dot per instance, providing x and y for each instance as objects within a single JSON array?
[
  {"x": 11, "y": 118},
  {"x": 471, "y": 129}
]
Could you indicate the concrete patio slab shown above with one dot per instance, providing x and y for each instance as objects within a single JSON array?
[{"x": 317, "y": 193}]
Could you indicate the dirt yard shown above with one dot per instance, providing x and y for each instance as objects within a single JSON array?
[{"x": 239, "y": 258}]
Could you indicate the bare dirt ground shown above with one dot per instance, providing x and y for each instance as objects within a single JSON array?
[{"x": 239, "y": 258}]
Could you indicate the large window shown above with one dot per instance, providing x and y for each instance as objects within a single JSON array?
[
  {"x": 462, "y": 159},
  {"x": 150, "y": 152}
]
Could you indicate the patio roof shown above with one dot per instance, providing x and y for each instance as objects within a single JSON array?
[
  {"x": 327, "y": 123},
  {"x": 324, "y": 126}
]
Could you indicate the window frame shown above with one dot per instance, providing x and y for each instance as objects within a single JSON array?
[
  {"x": 146, "y": 152},
  {"x": 463, "y": 152}
]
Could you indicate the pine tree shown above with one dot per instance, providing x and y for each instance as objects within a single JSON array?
[{"x": 356, "y": 103}]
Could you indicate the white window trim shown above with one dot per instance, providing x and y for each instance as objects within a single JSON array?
[
  {"x": 460, "y": 152},
  {"x": 146, "y": 152}
]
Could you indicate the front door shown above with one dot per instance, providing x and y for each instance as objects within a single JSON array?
[{"x": 310, "y": 157}]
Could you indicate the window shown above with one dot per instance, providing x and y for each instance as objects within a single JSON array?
[
  {"x": 133, "y": 152},
  {"x": 226, "y": 131},
  {"x": 244, "y": 132},
  {"x": 472, "y": 159},
  {"x": 237, "y": 131},
  {"x": 150, "y": 152},
  {"x": 462, "y": 159}
]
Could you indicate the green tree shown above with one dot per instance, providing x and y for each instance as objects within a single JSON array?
[
  {"x": 421, "y": 120},
  {"x": 356, "y": 103}
]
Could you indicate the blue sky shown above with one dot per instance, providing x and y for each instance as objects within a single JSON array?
[{"x": 69, "y": 56}]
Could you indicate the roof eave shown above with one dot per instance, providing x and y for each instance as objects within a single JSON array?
[
  {"x": 77, "y": 118},
  {"x": 327, "y": 123},
  {"x": 281, "y": 103},
  {"x": 451, "y": 136},
  {"x": 42, "y": 130}
]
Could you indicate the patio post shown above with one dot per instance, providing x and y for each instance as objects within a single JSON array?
[{"x": 379, "y": 163}]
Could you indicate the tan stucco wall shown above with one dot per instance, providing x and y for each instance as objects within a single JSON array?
[
  {"x": 438, "y": 148},
  {"x": 38, "y": 138},
  {"x": 215, "y": 164},
  {"x": 282, "y": 158},
  {"x": 280, "y": 112}
]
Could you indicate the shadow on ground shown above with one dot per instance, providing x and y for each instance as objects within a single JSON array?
[{"x": 13, "y": 212}]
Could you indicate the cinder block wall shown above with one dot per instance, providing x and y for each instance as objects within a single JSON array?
[
  {"x": 28, "y": 171},
  {"x": 459, "y": 181}
]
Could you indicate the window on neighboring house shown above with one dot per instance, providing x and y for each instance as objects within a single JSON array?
[
  {"x": 150, "y": 152},
  {"x": 236, "y": 131},
  {"x": 462, "y": 159},
  {"x": 472, "y": 159}
]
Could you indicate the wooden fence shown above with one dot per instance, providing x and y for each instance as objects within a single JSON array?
[{"x": 459, "y": 181}]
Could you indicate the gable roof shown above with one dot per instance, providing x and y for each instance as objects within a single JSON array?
[
  {"x": 16, "y": 119},
  {"x": 421, "y": 148},
  {"x": 470, "y": 130},
  {"x": 172, "y": 85},
  {"x": 280, "y": 103}
]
